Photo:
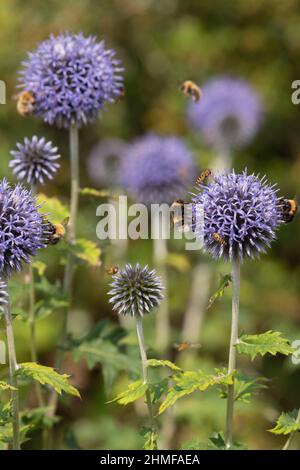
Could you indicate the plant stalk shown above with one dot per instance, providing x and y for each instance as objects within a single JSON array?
[
  {"x": 140, "y": 335},
  {"x": 13, "y": 367},
  {"x": 232, "y": 348},
  {"x": 292, "y": 435},
  {"x": 70, "y": 265}
]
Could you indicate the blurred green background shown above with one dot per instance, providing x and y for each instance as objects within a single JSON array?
[{"x": 161, "y": 43}]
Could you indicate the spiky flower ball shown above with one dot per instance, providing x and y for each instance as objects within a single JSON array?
[
  {"x": 241, "y": 215},
  {"x": 135, "y": 291},
  {"x": 157, "y": 169},
  {"x": 104, "y": 161},
  {"x": 21, "y": 228},
  {"x": 228, "y": 114},
  {"x": 71, "y": 78},
  {"x": 35, "y": 160}
]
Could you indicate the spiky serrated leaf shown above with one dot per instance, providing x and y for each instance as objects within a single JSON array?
[
  {"x": 287, "y": 423},
  {"x": 5, "y": 386},
  {"x": 96, "y": 193},
  {"x": 47, "y": 376},
  {"x": 134, "y": 391},
  {"x": 163, "y": 363},
  {"x": 86, "y": 250},
  {"x": 6, "y": 433},
  {"x": 150, "y": 438},
  {"x": 188, "y": 382},
  {"x": 224, "y": 283},
  {"x": 53, "y": 208},
  {"x": 270, "y": 342},
  {"x": 244, "y": 387}
]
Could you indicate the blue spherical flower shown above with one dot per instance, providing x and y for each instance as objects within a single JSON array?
[
  {"x": 157, "y": 169},
  {"x": 21, "y": 228},
  {"x": 71, "y": 78},
  {"x": 104, "y": 161},
  {"x": 228, "y": 114},
  {"x": 241, "y": 215},
  {"x": 135, "y": 291},
  {"x": 34, "y": 161}
]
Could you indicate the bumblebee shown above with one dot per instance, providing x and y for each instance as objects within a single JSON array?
[
  {"x": 289, "y": 208},
  {"x": 219, "y": 239},
  {"x": 55, "y": 232},
  {"x": 178, "y": 215},
  {"x": 204, "y": 175},
  {"x": 191, "y": 90},
  {"x": 25, "y": 103},
  {"x": 112, "y": 271},
  {"x": 186, "y": 345}
]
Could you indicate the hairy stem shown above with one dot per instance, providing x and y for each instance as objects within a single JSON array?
[
  {"x": 232, "y": 348},
  {"x": 140, "y": 335},
  {"x": 292, "y": 436},
  {"x": 69, "y": 268},
  {"x": 13, "y": 367}
]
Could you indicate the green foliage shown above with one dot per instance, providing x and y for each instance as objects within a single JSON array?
[
  {"x": 87, "y": 251},
  {"x": 39, "y": 266},
  {"x": 47, "y": 376},
  {"x": 39, "y": 417},
  {"x": 224, "y": 283},
  {"x": 216, "y": 442},
  {"x": 188, "y": 382},
  {"x": 178, "y": 261},
  {"x": 53, "y": 208},
  {"x": 6, "y": 386},
  {"x": 53, "y": 298},
  {"x": 96, "y": 193},
  {"x": 244, "y": 387},
  {"x": 150, "y": 437},
  {"x": 270, "y": 342},
  {"x": 134, "y": 391},
  {"x": 160, "y": 362},
  {"x": 6, "y": 433},
  {"x": 287, "y": 423}
]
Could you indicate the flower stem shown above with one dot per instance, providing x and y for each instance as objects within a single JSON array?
[
  {"x": 232, "y": 348},
  {"x": 32, "y": 325},
  {"x": 69, "y": 268},
  {"x": 140, "y": 335},
  {"x": 13, "y": 367},
  {"x": 292, "y": 435}
]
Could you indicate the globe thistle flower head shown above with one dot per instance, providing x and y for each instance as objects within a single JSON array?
[
  {"x": 135, "y": 291},
  {"x": 241, "y": 215},
  {"x": 21, "y": 229},
  {"x": 34, "y": 161},
  {"x": 104, "y": 161},
  {"x": 71, "y": 77},
  {"x": 156, "y": 169},
  {"x": 228, "y": 115}
]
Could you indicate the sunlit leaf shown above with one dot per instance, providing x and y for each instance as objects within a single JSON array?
[
  {"x": 39, "y": 266},
  {"x": 224, "y": 283},
  {"x": 53, "y": 208},
  {"x": 150, "y": 438},
  {"x": 86, "y": 250},
  {"x": 244, "y": 387},
  {"x": 6, "y": 386},
  {"x": 271, "y": 342},
  {"x": 160, "y": 362},
  {"x": 134, "y": 391},
  {"x": 47, "y": 376},
  {"x": 96, "y": 193},
  {"x": 287, "y": 423},
  {"x": 178, "y": 261}
]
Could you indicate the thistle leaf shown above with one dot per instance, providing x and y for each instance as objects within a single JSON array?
[
  {"x": 48, "y": 376},
  {"x": 287, "y": 423},
  {"x": 270, "y": 342},
  {"x": 160, "y": 362},
  {"x": 5, "y": 386},
  {"x": 86, "y": 250},
  {"x": 96, "y": 193},
  {"x": 150, "y": 437},
  {"x": 52, "y": 208},
  {"x": 134, "y": 392},
  {"x": 224, "y": 283}
]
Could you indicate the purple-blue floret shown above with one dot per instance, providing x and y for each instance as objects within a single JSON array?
[{"x": 71, "y": 77}]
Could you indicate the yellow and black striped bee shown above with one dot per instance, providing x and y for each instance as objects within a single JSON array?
[
  {"x": 289, "y": 208},
  {"x": 203, "y": 177},
  {"x": 191, "y": 90},
  {"x": 219, "y": 239},
  {"x": 112, "y": 271},
  {"x": 55, "y": 232},
  {"x": 25, "y": 103},
  {"x": 178, "y": 215}
]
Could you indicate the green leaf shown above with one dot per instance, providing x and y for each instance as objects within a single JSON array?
[
  {"x": 53, "y": 209},
  {"x": 270, "y": 342},
  {"x": 86, "y": 250},
  {"x": 6, "y": 386},
  {"x": 48, "y": 376},
  {"x": 224, "y": 283},
  {"x": 150, "y": 437},
  {"x": 178, "y": 261},
  {"x": 6, "y": 433},
  {"x": 287, "y": 423},
  {"x": 216, "y": 442},
  {"x": 134, "y": 391},
  {"x": 96, "y": 193},
  {"x": 244, "y": 388},
  {"x": 39, "y": 266},
  {"x": 160, "y": 362},
  {"x": 158, "y": 389},
  {"x": 190, "y": 381}
]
